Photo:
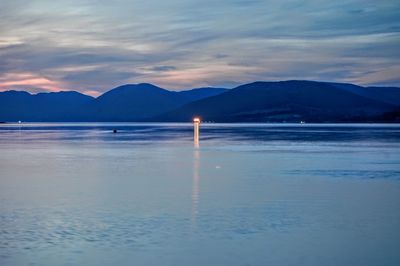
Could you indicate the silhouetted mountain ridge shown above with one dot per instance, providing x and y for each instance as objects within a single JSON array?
[
  {"x": 52, "y": 106},
  {"x": 134, "y": 102},
  {"x": 282, "y": 101},
  {"x": 201, "y": 93},
  {"x": 130, "y": 102},
  {"x": 289, "y": 101}
]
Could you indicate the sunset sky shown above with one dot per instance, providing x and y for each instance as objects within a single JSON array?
[{"x": 93, "y": 46}]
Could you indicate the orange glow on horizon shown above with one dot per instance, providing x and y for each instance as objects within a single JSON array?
[
  {"x": 34, "y": 83},
  {"x": 92, "y": 93},
  {"x": 28, "y": 80}
]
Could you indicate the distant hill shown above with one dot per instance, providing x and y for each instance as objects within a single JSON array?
[
  {"x": 290, "y": 101},
  {"x": 134, "y": 102},
  {"x": 389, "y": 95},
  {"x": 284, "y": 101},
  {"x": 201, "y": 93},
  {"x": 131, "y": 102},
  {"x": 53, "y": 106}
]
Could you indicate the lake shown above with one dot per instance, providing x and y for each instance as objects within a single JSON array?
[{"x": 250, "y": 194}]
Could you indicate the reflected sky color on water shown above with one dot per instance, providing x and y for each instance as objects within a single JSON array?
[{"x": 250, "y": 194}]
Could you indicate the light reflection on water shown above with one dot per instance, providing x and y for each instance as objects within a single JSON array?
[
  {"x": 196, "y": 183},
  {"x": 78, "y": 194}
]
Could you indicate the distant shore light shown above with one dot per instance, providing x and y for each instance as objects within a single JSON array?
[{"x": 196, "y": 131}]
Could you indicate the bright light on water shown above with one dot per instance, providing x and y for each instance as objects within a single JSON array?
[{"x": 250, "y": 194}]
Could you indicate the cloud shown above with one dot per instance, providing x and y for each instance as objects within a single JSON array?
[
  {"x": 92, "y": 46},
  {"x": 162, "y": 68},
  {"x": 28, "y": 81}
]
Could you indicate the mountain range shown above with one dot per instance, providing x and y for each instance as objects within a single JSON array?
[{"x": 282, "y": 101}]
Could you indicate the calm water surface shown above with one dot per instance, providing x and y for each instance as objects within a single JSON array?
[{"x": 251, "y": 194}]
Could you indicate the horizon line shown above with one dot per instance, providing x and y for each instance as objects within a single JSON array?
[{"x": 189, "y": 89}]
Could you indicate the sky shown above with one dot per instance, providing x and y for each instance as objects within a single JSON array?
[{"x": 92, "y": 46}]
